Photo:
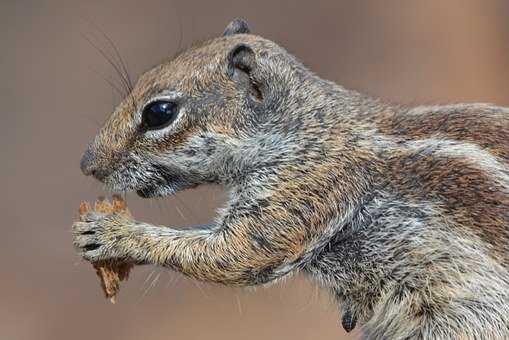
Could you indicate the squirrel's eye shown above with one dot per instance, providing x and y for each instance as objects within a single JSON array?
[{"x": 158, "y": 114}]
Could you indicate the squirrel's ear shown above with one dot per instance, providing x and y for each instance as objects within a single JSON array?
[
  {"x": 241, "y": 68},
  {"x": 241, "y": 58},
  {"x": 237, "y": 26}
]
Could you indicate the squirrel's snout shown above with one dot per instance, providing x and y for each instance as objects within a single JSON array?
[
  {"x": 87, "y": 163},
  {"x": 90, "y": 166}
]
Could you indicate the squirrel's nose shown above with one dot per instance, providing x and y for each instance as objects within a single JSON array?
[
  {"x": 91, "y": 166},
  {"x": 87, "y": 163}
]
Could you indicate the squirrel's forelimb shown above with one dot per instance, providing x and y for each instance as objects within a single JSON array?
[
  {"x": 259, "y": 238},
  {"x": 241, "y": 250}
]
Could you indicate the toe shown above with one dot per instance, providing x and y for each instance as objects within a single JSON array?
[
  {"x": 91, "y": 217},
  {"x": 83, "y": 228},
  {"x": 92, "y": 254},
  {"x": 84, "y": 241}
]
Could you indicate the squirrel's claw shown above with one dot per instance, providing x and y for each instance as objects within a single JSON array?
[
  {"x": 348, "y": 320},
  {"x": 87, "y": 241},
  {"x": 98, "y": 236}
]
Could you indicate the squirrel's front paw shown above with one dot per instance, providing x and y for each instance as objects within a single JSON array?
[{"x": 102, "y": 236}]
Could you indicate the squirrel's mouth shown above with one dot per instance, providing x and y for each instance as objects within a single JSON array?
[
  {"x": 146, "y": 192},
  {"x": 160, "y": 190},
  {"x": 148, "y": 182}
]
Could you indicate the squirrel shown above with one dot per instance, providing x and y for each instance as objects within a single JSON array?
[{"x": 402, "y": 213}]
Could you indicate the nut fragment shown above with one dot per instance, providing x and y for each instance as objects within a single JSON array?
[{"x": 110, "y": 272}]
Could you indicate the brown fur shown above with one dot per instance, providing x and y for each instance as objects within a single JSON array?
[{"x": 402, "y": 213}]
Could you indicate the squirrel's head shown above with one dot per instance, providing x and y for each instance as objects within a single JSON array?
[{"x": 193, "y": 120}]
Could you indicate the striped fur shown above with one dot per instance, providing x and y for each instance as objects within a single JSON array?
[{"x": 402, "y": 213}]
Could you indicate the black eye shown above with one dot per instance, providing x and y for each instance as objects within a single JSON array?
[{"x": 158, "y": 114}]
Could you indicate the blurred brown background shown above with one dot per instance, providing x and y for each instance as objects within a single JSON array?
[{"x": 53, "y": 100}]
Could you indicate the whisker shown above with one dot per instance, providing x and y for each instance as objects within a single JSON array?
[
  {"x": 144, "y": 285},
  {"x": 122, "y": 70},
  {"x": 172, "y": 280},
  {"x": 239, "y": 305},
  {"x": 124, "y": 81},
  {"x": 153, "y": 283},
  {"x": 180, "y": 212},
  {"x": 117, "y": 56},
  {"x": 184, "y": 206},
  {"x": 108, "y": 80},
  {"x": 123, "y": 65},
  {"x": 181, "y": 31},
  {"x": 200, "y": 288}
]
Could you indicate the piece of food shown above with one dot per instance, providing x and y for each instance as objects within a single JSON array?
[{"x": 110, "y": 272}]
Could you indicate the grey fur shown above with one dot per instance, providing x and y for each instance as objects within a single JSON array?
[{"x": 403, "y": 218}]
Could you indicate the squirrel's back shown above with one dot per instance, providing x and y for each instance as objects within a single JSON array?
[
  {"x": 482, "y": 124},
  {"x": 458, "y": 157},
  {"x": 428, "y": 252}
]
